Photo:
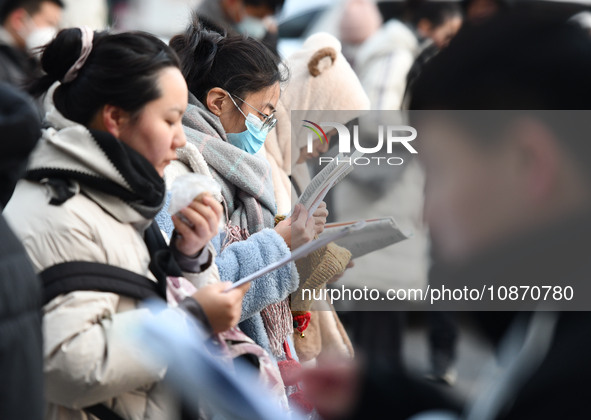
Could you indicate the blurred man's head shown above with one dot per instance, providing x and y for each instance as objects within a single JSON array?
[
  {"x": 238, "y": 10},
  {"x": 494, "y": 175},
  {"x": 28, "y": 20},
  {"x": 253, "y": 18},
  {"x": 435, "y": 19},
  {"x": 262, "y": 8}
]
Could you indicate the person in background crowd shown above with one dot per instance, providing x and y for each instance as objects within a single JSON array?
[
  {"x": 252, "y": 18},
  {"x": 234, "y": 85},
  {"x": 21, "y": 348},
  {"x": 91, "y": 13},
  {"x": 507, "y": 200},
  {"x": 25, "y": 25},
  {"x": 384, "y": 60},
  {"x": 429, "y": 49},
  {"x": 360, "y": 19},
  {"x": 93, "y": 186}
]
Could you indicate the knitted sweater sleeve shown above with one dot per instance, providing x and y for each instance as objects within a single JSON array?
[{"x": 243, "y": 258}]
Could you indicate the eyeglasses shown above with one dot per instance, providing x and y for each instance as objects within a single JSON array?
[{"x": 269, "y": 121}]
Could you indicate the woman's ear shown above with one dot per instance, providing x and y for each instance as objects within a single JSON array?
[
  {"x": 215, "y": 100},
  {"x": 112, "y": 119}
]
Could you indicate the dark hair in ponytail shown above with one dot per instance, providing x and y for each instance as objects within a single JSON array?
[
  {"x": 235, "y": 63},
  {"x": 121, "y": 70}
]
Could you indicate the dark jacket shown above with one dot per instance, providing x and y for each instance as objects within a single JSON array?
[
  {"x": 16, "y": 66},
  {"x": 556, "y": 386},
  {"x": 21, "y": 346},
  {"x": 557, "y": 256},
  {"x": 20, "y": 129},
  {"x": 21, "y": 359}
]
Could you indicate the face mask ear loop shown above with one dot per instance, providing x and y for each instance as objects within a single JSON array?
[{"x": 235, "y": 104}]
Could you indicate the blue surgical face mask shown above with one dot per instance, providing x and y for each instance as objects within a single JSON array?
[{"x": 252, "y": 139}]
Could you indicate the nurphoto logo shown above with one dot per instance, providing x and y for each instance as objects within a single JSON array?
[{"x": 388, "y": 135}]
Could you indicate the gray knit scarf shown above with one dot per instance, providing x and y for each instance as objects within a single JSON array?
[
  {"x": 247, "y": 186},
  {"x": 248, "y": 197}
]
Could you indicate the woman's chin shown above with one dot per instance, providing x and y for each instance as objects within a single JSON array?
[{"x": 160, "y": 169}]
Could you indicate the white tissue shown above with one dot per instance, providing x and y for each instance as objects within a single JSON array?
[{"x": 187, "y": 187}]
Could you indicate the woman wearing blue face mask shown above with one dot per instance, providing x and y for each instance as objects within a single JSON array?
[
  {"x": 252, "y": 139},
  {"x": 234, "y": 86}
]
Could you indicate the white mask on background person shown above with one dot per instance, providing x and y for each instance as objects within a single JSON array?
[
  {"x": 252, "y": 27},
  {"x": 40, "y": 37}
]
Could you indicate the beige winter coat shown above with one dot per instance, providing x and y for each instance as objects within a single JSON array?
[
  {"x": 86, "y": 359},
  {"x": 322, "y": 82}
]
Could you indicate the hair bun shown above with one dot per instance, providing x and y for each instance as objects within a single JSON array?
[
  {"x": 209, "y": 34},
  {"x": 199, "y": 46},
  {"x": 61, "y": 54}
]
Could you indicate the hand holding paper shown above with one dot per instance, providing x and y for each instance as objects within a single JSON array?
[
  {"x": 223, "y": 310},
  {"x": 302, "y": 251},
  {"x": 298, "y": 229},
  {"x": 320, "y": 216}
]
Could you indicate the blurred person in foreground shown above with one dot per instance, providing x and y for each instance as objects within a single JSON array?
[
  {"x": 25, "y": 25},
  {"x": 383, "y": 67},
  {"x": 509, "y": 199},
  {"x": 21, "y": 359},
  {"x": 252, "y": 18}
]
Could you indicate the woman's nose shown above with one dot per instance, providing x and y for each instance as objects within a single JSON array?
[{"x": 180, "y": 139}]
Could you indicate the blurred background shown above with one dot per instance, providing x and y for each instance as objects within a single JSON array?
[{"x": 297, "y": 20}]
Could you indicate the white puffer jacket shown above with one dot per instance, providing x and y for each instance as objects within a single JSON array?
[{"x": 86, "y": 360}]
